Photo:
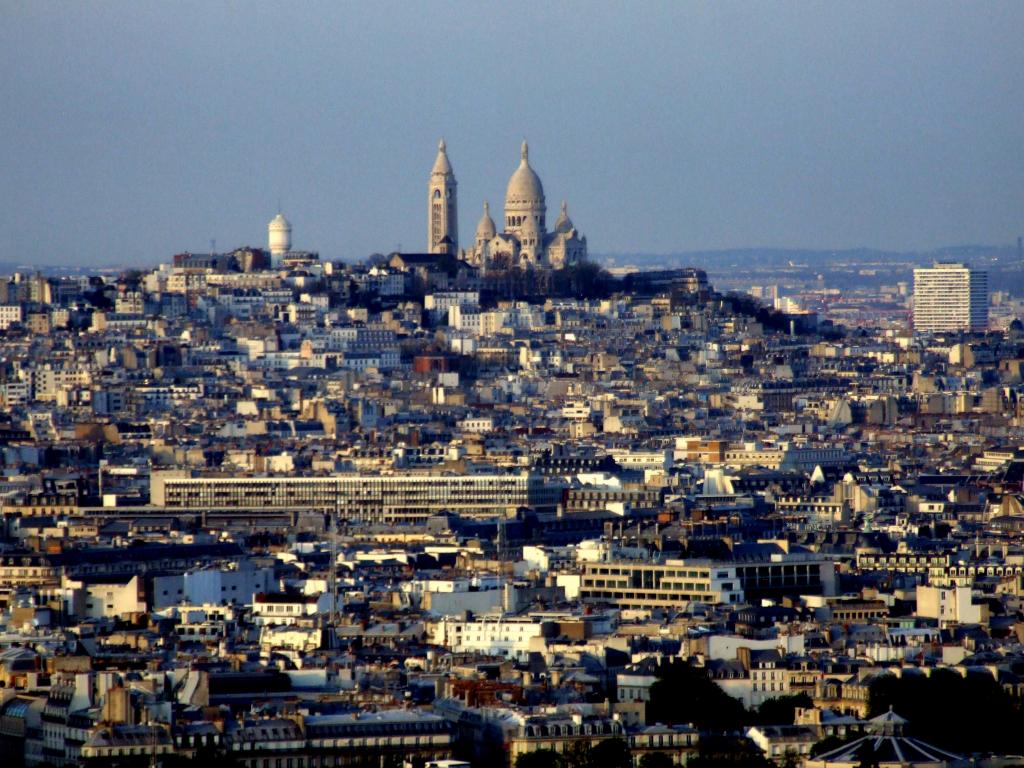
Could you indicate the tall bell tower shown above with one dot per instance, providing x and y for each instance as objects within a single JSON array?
[{"x": 442, "y": 210}]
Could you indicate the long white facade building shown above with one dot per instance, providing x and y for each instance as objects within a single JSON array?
[{"x": 378, "y": 498}]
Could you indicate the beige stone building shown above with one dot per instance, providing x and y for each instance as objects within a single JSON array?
[{"x": 524, "y": 240}]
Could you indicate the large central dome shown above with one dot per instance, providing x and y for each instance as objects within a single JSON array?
[{"x": 524, "y": 186}]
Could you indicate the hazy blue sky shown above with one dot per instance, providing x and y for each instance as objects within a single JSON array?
[{"x": 133, "y": 130}]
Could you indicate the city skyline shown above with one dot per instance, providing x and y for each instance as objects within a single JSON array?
[
  {"x": 137, "y": 133},
  {"x": 582, "y": 385}
]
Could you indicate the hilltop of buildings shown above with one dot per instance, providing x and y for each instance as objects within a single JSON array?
[{"x": 432, "y": 510}]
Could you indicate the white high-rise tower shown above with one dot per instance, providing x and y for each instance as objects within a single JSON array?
[
  {"x": 442, "y": 202},
  {"x": 950, "y": 298}
]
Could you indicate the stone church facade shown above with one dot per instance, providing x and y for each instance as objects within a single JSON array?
[{"x": 524, "y": 240}]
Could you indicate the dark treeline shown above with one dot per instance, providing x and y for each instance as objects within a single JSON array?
[{"x": 963, "y": 714}]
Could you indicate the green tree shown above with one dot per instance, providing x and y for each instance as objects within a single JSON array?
[
  {"x": 656, "y": 760},
  {"x": 685, "y": 694},
  {"x": 610, "y": 753},
  {"x": 729, "y": 752},
  {"x": 781, "y": 710},
  {"x": 960, "y": 713},
  {"x": 541, "y": 758},
  {"x": 584, "y": 280},
  {"x": 577, "y": 755}
]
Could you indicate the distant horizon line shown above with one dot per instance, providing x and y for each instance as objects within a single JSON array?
[{"x": 647, "y": 256}]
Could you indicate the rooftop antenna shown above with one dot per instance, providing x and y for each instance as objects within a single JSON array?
[{"x": 213, "y": 245}]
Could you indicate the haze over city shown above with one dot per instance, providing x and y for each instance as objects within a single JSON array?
[
  {"x": 511, "y": 385},
  {"x": 133, "y": 131}
]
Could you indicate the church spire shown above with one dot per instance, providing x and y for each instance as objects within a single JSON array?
[
  {"x": 441, "y": 164},
  {"x": 524, "y": 152},
  {"x": 442, "y": 205}
]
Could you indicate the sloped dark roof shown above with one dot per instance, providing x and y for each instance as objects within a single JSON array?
[
  {"x": 889, "y": 746},
  {"x": 890, "y": 750}
]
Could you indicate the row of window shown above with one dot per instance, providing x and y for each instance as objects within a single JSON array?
[
  {"x": 678, "y": 586},
  {"x": 314, "y": 761},
  {"x": 597, "y": 594},
  {"x": 692, "y": 574}
]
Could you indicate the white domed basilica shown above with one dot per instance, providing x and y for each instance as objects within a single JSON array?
[{"x": 524, "y": 241}]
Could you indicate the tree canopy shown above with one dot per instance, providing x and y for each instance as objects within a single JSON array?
[
  {"x": 656, "y": 760},
  {"x": 685, "y": 694},
  {"x": 610, "y": 753},
  {"x": 541, "y": 758},
  {"x": 959, "y": 713},
  {"x": 781, "y": 710}
]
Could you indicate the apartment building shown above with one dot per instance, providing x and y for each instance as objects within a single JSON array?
[
  {"x": 386, "y": 498},
  {"x": 784, "y": 456},
  {"x": 495, "y": 635},
  {"x": 950, "y": 297},
  {"x": 669, "y": 584},
  {"x": 9, "y": 314},
  {"x": 673, "y": 583}
]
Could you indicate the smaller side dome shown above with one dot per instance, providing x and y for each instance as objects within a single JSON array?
[
  {"x": 485, "y": 230},
  {"x": 563, "y": 223}
]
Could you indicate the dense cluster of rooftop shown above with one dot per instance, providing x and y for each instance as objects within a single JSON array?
[{"x": 295, "y": 513}]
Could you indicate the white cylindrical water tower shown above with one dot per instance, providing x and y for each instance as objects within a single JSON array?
[{"x": 279, "y": 237}]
